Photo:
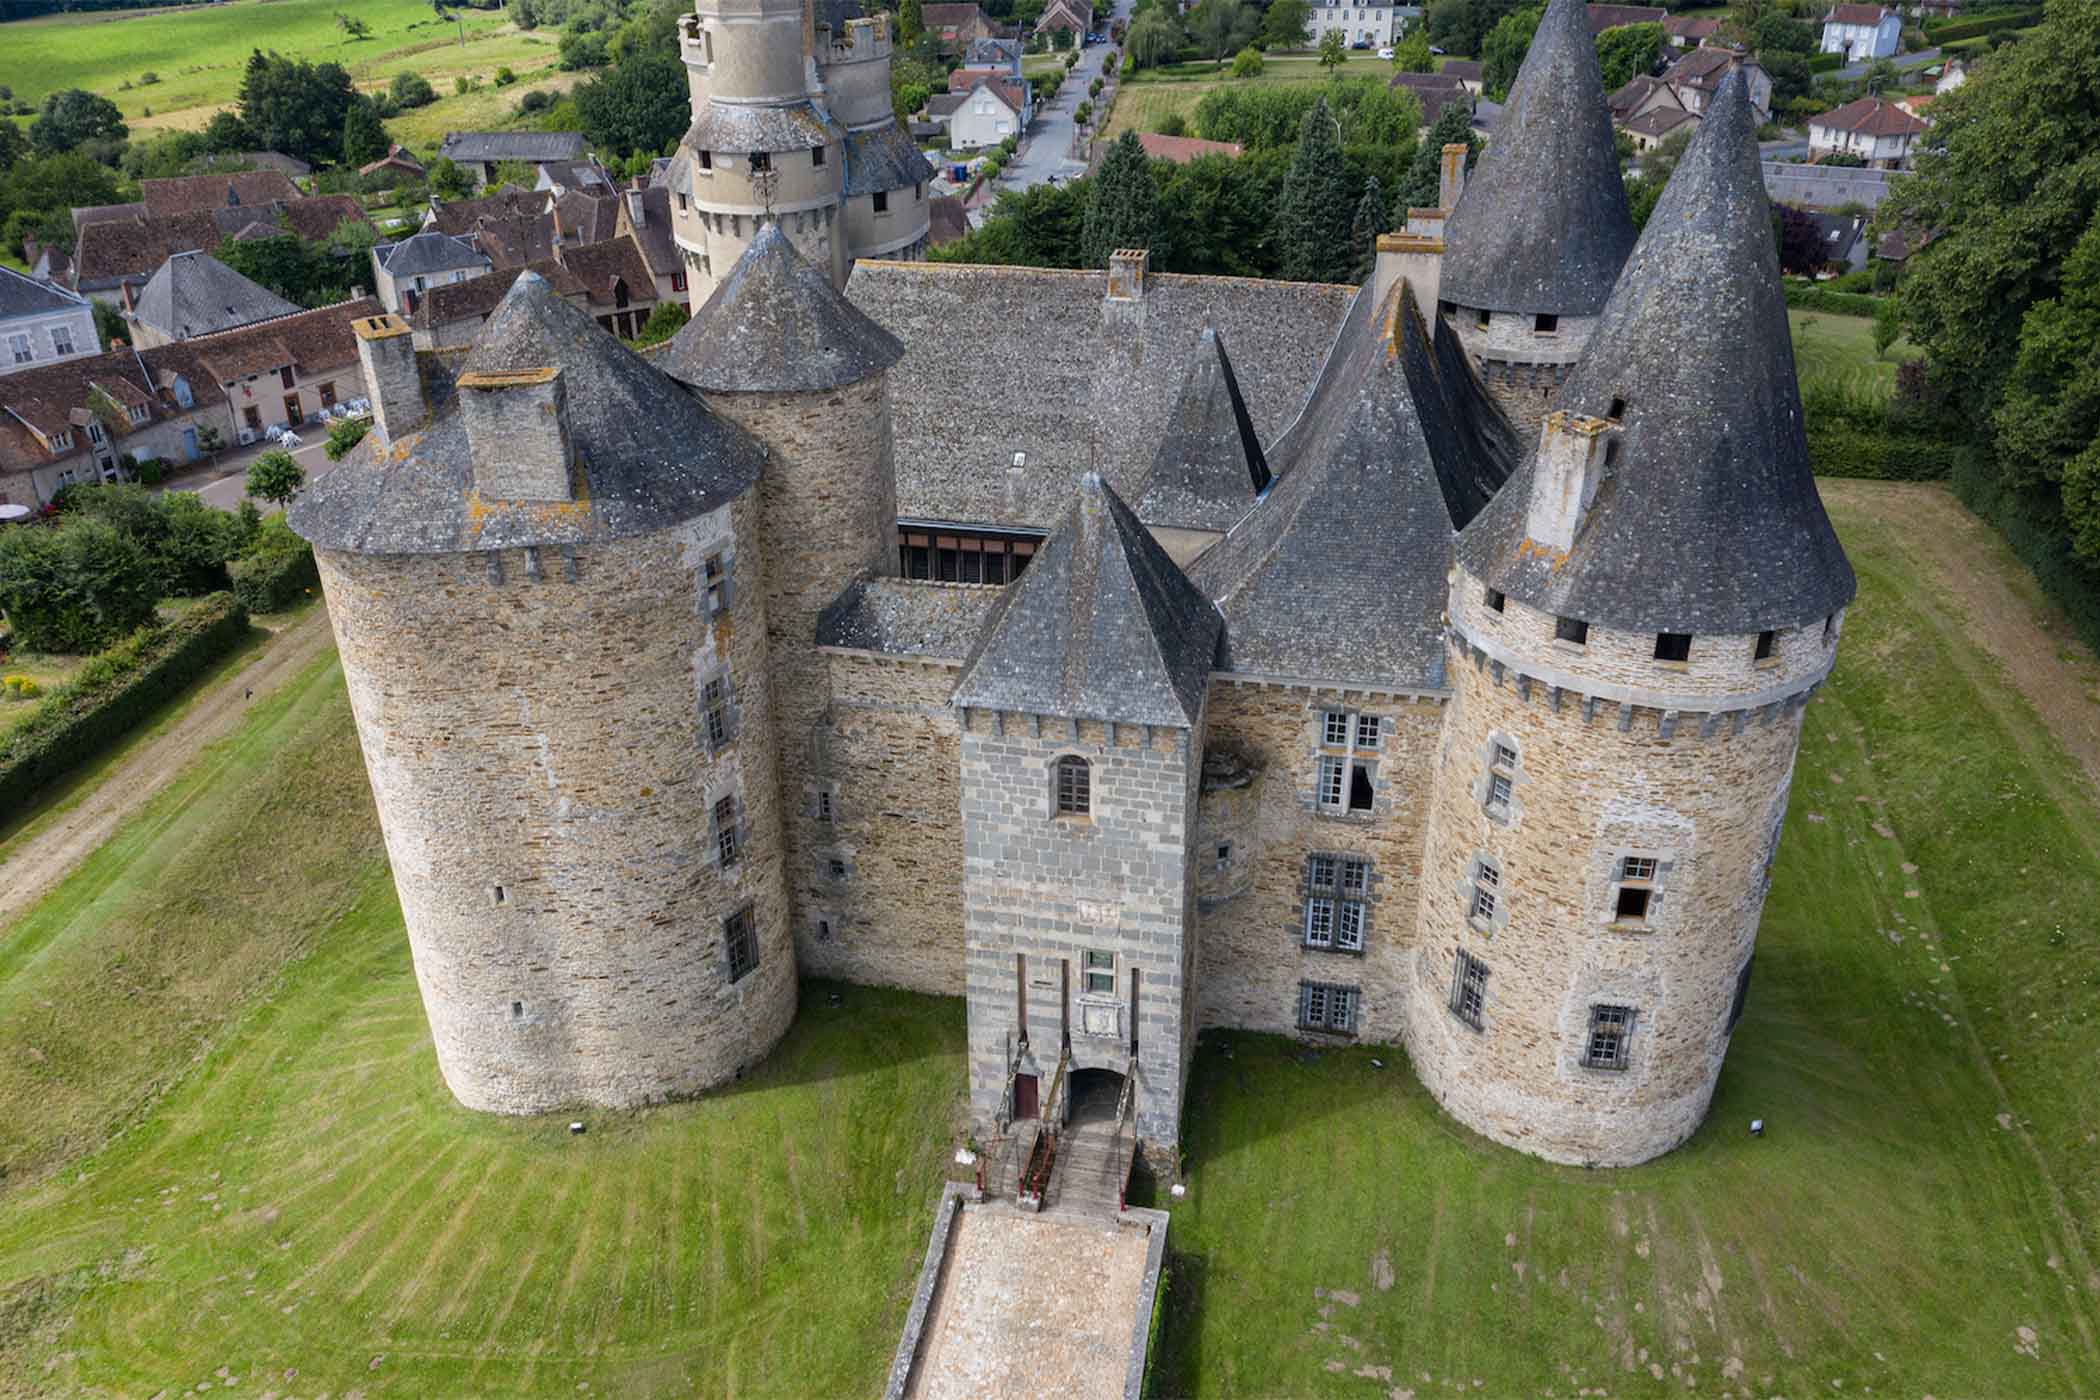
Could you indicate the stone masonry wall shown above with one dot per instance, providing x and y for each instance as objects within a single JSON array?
[
  {"x": 1051, "y": 889},
  {"x": 1262, "y": 760},
  {"x": 1522, "y": 369},
  {"x": 547, "y": 792},
  {"x": 1704, "y": 804},
  {"x": 895, "y": 913},
  {"x": 829, "y": 494}
]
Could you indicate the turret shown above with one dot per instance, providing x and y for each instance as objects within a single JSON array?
[
  {"x": 780, "y": 352},
  {"x": 1536, "y": 241},
  {"x": 550, "y": 609},
  {"x": 1636, "y": 622}
]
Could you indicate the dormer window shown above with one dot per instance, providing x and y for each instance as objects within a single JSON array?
[
  {"x": 1673, "y": 646},
  {"x": 1545, "y": 323}
]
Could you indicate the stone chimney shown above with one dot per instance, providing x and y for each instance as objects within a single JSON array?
[
  {"x": 1126, "y": 274},
  {"x": 386, "y": 351},
  {"x": 1574, "y": 453},
  {"x": 1419, "y": 259},
  {"x": 518, "y": 434},
  {"x": 1451, "y": 180}
]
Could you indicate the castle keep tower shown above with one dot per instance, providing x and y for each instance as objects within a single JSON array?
[
  {"x": 1536, "y": 241},
  {"x": 1636, "y": 623},
  {"x": 567, "y": 552},
  {"x": 782, "y": 354}
]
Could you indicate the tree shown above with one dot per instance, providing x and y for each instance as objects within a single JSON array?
[
  {"x": 583, "y": 49},
  {"x": 1502, "y": 51},
  {"x": 1042, "y": 226},
  {"x": 37, "y": 193},
  {"x": 411, "y": 90},
  {"x": 1286, "y": 24},
  {"x": 1423, "y": 187},
  {"x": 1333, "y": 51},
  {"x": 76, "y": 588},
  {"x": 1644, "y": 184},
  {"x": 344, "y": 434},
  {"x": 1412, "y": 55},
  {"x": 1123, "y": 206},
  {"x": 296, "y": 107},
  {"x": 1247, "y": 63},
  {"x": 663, "y": 323},
  {"x": 14, "y": 145},
  {"x": 275, "y": 477},
  {"x": 211, "y": 442},
  {"x": 364, "y": 139},
  {"x": 73, "y": 116},
  {"x": 1222, "y": 26},
  {"x": 1626, "y": 51},
  {"x": 1461, "y": 26},
  {"x": 226, "y": 133},
  {"x": 1313, "y": 211},
  {"x": 353, "y": 26},
  {"x": 1371, "y": 220},
  {"x": 1886, "y": 329},
  {"x": 1790, "y": 75},
  {"x": 911, "y": 21},
  {"x": 513, "y": 172},
  {"x": 638, "y": 105},
  {"x": 447, "y": 180},
  {"x": 110, "y": 325},
  {"x": 1152, "y": 39}
]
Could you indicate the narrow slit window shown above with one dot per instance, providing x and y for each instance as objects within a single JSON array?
[
  {"x": 1483, "y": 318},
  {"x": 1497, "y": 600},
  {"x": 501, "y": 894},
  {"x": 823, "y": 806},
  {"x": 1618, "y": 410},
  {"x": 1767, "y": 644}
]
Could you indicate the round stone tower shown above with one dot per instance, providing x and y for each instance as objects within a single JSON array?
[
  {"x": 544, "y": 575},
  {"x": 1636, "y": 622},
  {"x": 759, "y": 144},
  {"x": 1535, "y": 243},
  {"x": 780, "y": 352},
  {"x": 885, "y": 176}
]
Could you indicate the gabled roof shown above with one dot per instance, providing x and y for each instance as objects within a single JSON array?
[
  {"x": 460, "y": 215},
  {"x": 586, "y": 218},
  {"x": 1639, "y": 89},
  {"x": 514, "y": 240},
  {"x": 1101, "y": 626},
  {"x": 883, "y": 158},
  {"x": 195, "y": 294},
  {"x": 196, "y": 194},
  {"x": 1340, "y": 571},
  {"x": 650, "y": 454},
  {"x": 478, "y": 297},
  {"x": 1466, "y": 70},
  {"x": 1710, "y": 521},
  {"x": 1691, "y": 26},
  {"x": 777, "y": 325},
  {"x": 421, "y": 254},
  {"x": 1209, "y": 466},
  {"x": 532, "y": 147},
  {"x": 1704, "y": 68},
  {"x": 397, "y": 156},
  {"x": 653, "y": 233},
  {"x": 1603, "y": 17},
  {"x": 1543, "y": 224},
  {"x": 600, "y": 266},
  {"x": 1870, "y": 116},
  {"x": 1659, "y": 122},
  {"x": 25, "y": 296},
  {"x": 1433, "y": 93},
  {"x": 1856, "y": 14}
]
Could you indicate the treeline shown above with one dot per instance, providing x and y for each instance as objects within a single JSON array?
[{"x": 30, "y": 9}]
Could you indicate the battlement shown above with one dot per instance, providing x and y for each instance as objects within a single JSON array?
[{"x": 861, "y": 41}]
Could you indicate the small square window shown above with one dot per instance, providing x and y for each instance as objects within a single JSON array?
[
  {"x": 838, "y": 870},
  {"x": 1633, "y": 904},
  {"x": 1100, "y": 973},
  {"x": 1497, "y": 600},
  {"x": 1767, "y": 644},
  {"x": 1571, "y": 629},
  {"x": 1610, "y": 1028},
  {"x": 882, "y": 202},
  {"x": 1673, "y": 646},
  {"x": 1356, "y": 878},
  {"x": 740, "y": 937},
  {"x": 1637, "y": 868},
  {"x": 1367, "y": 730},
  {"x": 1320, "y": 872},
  {"x": 517, "y": 1011},
  {"x": 816, "y": 155},
  {"x": 1336, "y": 728},
  {"x": 1224, "y": 855},
  {"x": 1545, "y": 323},
  {"x": 1505, "y": 756}
]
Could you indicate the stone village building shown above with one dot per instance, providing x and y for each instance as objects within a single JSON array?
[{"x": 1420, "y": 661}]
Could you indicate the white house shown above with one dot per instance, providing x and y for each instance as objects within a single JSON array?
[
  {"x": 422, "y": 261},
  {"x": 1861, "y": 32},
  {"x": 1366, "y": 24},
  {"x": 1877, "y": 131},
  {"x": 989, "y": 112},
  {"x": 41, "y": 324}
]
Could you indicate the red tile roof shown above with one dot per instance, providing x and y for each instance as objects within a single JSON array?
[
  {"x": 196, "y": 194},
  {"x": 1870, "y": 116},
  {"x": 1691, "y": 27},
  {"x": 598, "y": 265},
  {"x": 1603, "y": 17},
  {"x": 1855, "y": 14}
]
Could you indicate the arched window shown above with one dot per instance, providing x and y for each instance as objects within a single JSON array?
[{"x": 1075, "y": 787}]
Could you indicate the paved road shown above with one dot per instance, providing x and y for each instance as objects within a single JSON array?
[
  {"x": 1047, "y": 150},
  {"x": 227, "y": 483},
  {"x": 1905, "y": 61}
]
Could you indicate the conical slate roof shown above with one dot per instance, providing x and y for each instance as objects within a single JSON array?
[
  {"x": 1102, "y": 626},
  {"x": 1710, "y": 521},
  {"x": 777, "y": 325},
  {"x": 652, "y": 456},
  {"x": 1209, "y": 466},
  {"x": 1340, "y": 572},
  {"x": 1542, "y": 225}
]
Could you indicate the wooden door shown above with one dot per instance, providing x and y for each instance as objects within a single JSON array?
[{"x": 1024, "y": 1096}]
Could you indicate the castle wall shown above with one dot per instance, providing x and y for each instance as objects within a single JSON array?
[
  {"x": 900, "y": 232},
  {"x": 1590, "y": 786},
  {"x": 1041, "y": 891},
  {"x": 1262, "y": 758},
  {"x": 1521, "y": 368},
  {"x": 566, "y": 898}
]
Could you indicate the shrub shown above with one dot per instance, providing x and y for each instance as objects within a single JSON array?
[
  {"x": 344, "y": 434},
  {"x": 1825, "y": 62},
  {"x": 21, "y": 687},
  {"x": 1247, "y": 63},
  {"x": 1943, "y": 32},
  {"x": 77, "y": 587},
  {"x": 152, "y": 471},
  {"x": 1809, "y": 298},
  {"x": 505, "y": 77},
  {"x": 1172, "y": 124},
  {"x": 276, "y": 571},
  {"x": 411, "y": 90},
  {"x": 275, "y": 477},
  {"x": 112, "y": 694}
]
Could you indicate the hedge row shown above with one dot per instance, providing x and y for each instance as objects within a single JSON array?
[
  {"x": 1945, "y": 33},
  {"x": 1843, "y": 450},
  {"x": 2037, "y": 539},
  {"x": 1832, "y": 303},
  {"x": 271, "y": 580},
  {"x": 113, "y": 693},
  {"x": 1825, "y": 62}
]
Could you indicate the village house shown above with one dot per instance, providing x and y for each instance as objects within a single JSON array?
[
  {"x": 1465, "y": 71},
  {"x": 1363, "y": 24},
  {"x": 1433, "y": 92},
  {"x": 1071, "y": 20},
  {"x": 1690, "y": 31},
  {"x": 956, "y": 27},
  {"x": 1603, "y": 17},
  {"x": 196, "y": 194},
  {"x": 610, "y": 281},
  {"x": 478, "y": 153},
  {"x": 988, "y": 113},
  {"x": 41, "y": 324},
  {"x": 1862, "y": 32},
  {"x": 194, "y": 294},
  {"x": 397, "y": 162},
  {"x": 1697, "y": 77},
  {"x": 422, "y": 261},
  {"x": 1876, "y": 130},
  {"x": 120, "y": 246},
  {"x": 1003, "y": 55},
  {"x": 645, "y": 220}
]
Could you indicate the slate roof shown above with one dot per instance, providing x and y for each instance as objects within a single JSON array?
[
  {"x": 598, "y": 266},
  {"x": 461, "y": 215},
  {"x": 1542, "y": 225},
  {"x": 653, "y": 234},
  {"x": 195, "y": 294},
  {"x": 421, "y": 254},
  {"x": 1639, "y": 89},
  {"x": 1209, "y": 465},
  {"x": 514, "y": 240},
  {"x": 1870, "y": 116},
  {"x": 313, "y": 341},
  {"x": 1340, "y": 572},
  {"x": 1658, "y": 123},
  {"x": 25, "y": 296},
  {"x": 883, "y": 158},
  {"x": 197, "y": 194},
  {"x": 734, "y": 127},
  {"x": 777, "y": 325},
  {"x": 1433, "y": 93},
  {"x": 478, "y": 297},
  {"x": 945, "y": 220},
  {"x": 650, "y": 454},
  {"x": 999, "y": 360},
  {"x": 1698, "y": 27},
  {"x": 1711, "y": 522},
  {"x": 908, "y": 617},
  {"x": 1603, "y": 17},
  {"x": 1101, "y": 626},
  {"x": 533, "y": 147},
  {"x": 1466, "y": 70},
  {"x": 1855, "y": 14},
  {"x": 1704, "y": 68},
  {"x": 944, "y": 104},
  {"x": 586, "y": 218}
]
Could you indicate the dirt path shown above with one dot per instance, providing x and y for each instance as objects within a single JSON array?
[
  {"x": 2007, "y": 615},
  {"x": 29, "y": 868}
]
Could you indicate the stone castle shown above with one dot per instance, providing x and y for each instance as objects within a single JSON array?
[{"x": 1431, "y": 672}]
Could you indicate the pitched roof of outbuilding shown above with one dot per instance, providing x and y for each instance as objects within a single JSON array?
[
  {"x": 197, "y": 194},
  {"x": 194, "y": 294},
  {"x": 1209, "y": 465},
  {"x": 1543, "y": 224},
  {"x": 776, "y": 324},
  {"x": 1856, "y": 14},
  {"x": 1433, "y": 92},
  {"x": 1710, "y": 521},
  {"x": 1101, "y": 626},
  {"x": 1603, "y": 17},
  {"x": 1871, "y": 116},
  {"x": 428, "y": 252},
  {"x": 532, "y": 147},
  {"x": 1339, "y": 572},
  {"x": 651, "y": 455}
]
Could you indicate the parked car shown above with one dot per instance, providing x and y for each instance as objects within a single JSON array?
[{"x": 1386, "y": 54}]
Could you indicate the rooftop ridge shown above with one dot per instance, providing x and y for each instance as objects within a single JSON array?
[{"x": 1016, "y": 269}]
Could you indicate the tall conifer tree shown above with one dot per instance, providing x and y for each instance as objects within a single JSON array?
[
  {"x": 1313, "y": 211},
  {"x": 1371, "y": 220},
  {"x": 1123, "y": 207}
]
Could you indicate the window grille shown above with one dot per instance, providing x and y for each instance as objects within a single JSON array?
[
  {"x": 1469, "y": 989},
  {"x": 1323, "y": 1006},
  {"x": 714, "y": 706},
  {"x": 1074, "y": 787},
  {"x": 1610, "y": 1028},
  {"x": 725, "y": 830},
  {"x": 740, "y": 939}
]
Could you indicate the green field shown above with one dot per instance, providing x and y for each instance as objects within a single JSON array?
[
  {"x": 1146, "y": 98},
  {"x": 1840, "y": 350},
  {"x": 226, "y": 1145},
  {"x": 199, "y": 52}
]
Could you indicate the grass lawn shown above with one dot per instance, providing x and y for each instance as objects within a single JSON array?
[
  {"x": 487, "y": 108},
  {"x": 1922, "y": 1214},
  {"x": 1841, "y": 348},
  {"x": 199, "y": 52},
  {"x": 226, "y": 1144},
  {"x": 1146, "y": 98},
  {"x": 49, "y": 672}
]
